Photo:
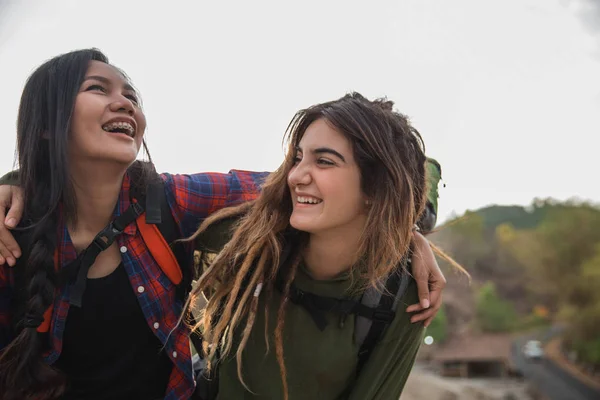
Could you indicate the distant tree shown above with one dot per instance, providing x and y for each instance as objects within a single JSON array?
[
  {"x": 493, "y": 313},
  {"x": 464, "y": 237}
]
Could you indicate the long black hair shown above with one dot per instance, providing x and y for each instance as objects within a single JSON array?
[{"x": 43, "y": 125}]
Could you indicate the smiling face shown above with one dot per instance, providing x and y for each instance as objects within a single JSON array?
[
  {"x": 325, "y": 183},
  {"x": 107, "y": 123}
]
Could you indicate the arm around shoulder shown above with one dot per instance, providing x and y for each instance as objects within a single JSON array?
[{"x": 194, "y": 197}]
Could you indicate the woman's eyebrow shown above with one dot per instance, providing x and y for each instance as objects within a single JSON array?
[
  {"x": 107, "y": 81},
  {"x": 321, "y": 150},
  {"x": 328, "y": 150}
]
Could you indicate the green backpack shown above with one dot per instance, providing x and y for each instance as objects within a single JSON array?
[{"x": 428, "y": 219}]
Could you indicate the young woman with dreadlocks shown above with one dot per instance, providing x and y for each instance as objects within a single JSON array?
[{"x": 334, "y": 222}]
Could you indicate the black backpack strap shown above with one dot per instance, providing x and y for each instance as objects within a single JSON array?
[
  {"x": 382, "y": 319},
  {"x": 317, "y": 306},
  {"x": 76, "y": 272},
  {"x": 379, "y": 316}
]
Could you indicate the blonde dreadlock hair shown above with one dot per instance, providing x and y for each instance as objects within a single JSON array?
[{"x": 391, "y": 159}]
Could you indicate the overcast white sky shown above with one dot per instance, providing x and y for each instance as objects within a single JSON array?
[{"x": 506, "y": 93}]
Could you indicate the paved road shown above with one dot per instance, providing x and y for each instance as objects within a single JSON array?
[{"x": 551, "y": 380}]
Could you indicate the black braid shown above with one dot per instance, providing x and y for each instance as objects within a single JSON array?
[{"x": 23, "y": 372}]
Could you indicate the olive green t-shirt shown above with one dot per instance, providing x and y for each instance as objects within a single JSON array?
[{"x": 321, "y": 365}]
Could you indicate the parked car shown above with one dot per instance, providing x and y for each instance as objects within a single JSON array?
[{"x": 533, "y": 350}]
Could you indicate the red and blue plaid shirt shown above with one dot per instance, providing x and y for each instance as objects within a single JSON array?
[{"x": 191, "y": 199}]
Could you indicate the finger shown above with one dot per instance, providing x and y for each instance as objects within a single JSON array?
[
  {"x": 423, "y": 289},
  {"x": 436, "y": 289},
  {"x": 430, "y": 313},
  {"x": 5, "y": 253},
  {"x": 414, "y": 308},
  {"x": 421, "y": 316},
  {"x": 422, "y": 262},
  {"x": 7, "y": 241},
  {"x": 421, "y": 276},
  {"x": 424, "y": 254},
  {"x": 428, "y": 321},
  {"x": 8, "y": 245},
  {"x": 436, "y": 296},
  {"x": 15, "y": 212},
  {"x": 11, "y": 220}
]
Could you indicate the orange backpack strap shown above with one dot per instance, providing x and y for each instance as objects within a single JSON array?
[
  {"x": 160, "y": 232},
  {"x": 160, "y": 249},
  {"x": 45, "y": 325}
]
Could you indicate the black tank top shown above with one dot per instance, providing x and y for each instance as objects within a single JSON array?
[{"x": 109, "y": 351}]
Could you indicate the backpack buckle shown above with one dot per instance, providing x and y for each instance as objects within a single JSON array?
[
  {"x": 106, "y": 237},
  {"x": 137, "y": 208},
  {"x": 296, "y": 295},
  {"x": 385, "y": 316}
]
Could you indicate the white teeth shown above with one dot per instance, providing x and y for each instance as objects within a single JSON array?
[
  {"x": 309, "y": 200},
  {"x": 119, "y": 125}
]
